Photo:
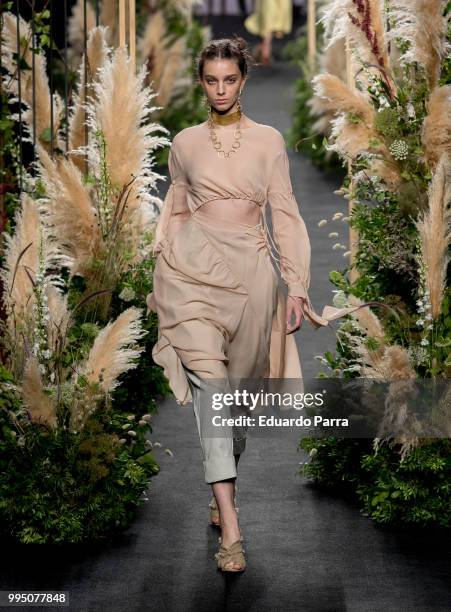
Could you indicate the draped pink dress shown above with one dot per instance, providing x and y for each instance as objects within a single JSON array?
[{"x": 221, "y": 309}]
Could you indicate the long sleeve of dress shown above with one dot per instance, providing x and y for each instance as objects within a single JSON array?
[
  {"x": 174, "y": 206},
  {"x": 289, "y": 230}
]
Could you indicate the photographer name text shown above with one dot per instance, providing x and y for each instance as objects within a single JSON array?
[{"x": 271, "y": 421}]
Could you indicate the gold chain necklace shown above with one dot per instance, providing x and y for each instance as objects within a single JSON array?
[{"x": 214, "y": 137}]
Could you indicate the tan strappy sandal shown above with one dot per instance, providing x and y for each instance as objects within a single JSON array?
[
  {"x": 228, "y": 558},
  {"x": 214, "y": 512}
]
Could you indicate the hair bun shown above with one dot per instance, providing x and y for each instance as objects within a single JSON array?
[{"x": 240, "y": 42}]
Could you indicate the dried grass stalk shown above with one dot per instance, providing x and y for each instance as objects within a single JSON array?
[
  {"x": 41, "y": 407},
  {"x": 164, "y": 61},
  {"x": 109, "y": 356},
  {"x": 363, "y": 21},
  {"x": 435, "y": 234},
  {"x": 42, "y": 92},
  {"x": 128, "y": 144},
  {"x": 97, "y": 51},
  {"x": 60, "y": 319},
  {"x": 436, "y": 130},
  {"x": 76, "y": 29},
  {"x": 423, "y": 25},
  {"x": 70, "y": 213},
  {"x": 350, "y": 137},
  {"x": 21, "y": 257}
]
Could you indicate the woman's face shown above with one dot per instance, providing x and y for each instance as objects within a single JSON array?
[{"x": 222, "y": 82}]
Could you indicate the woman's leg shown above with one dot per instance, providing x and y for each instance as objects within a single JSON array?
[
  {"x": 224, "y": 494},
  {"x": 217, "y": 442},
  {"x": 218, "y": 459},
  {"x": 266, "y": 47}
]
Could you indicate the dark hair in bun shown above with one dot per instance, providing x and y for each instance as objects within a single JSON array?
[{"x": 234, "y": 48}]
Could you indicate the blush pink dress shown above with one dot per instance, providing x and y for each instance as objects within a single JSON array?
[{"x": 221, "y": 309}]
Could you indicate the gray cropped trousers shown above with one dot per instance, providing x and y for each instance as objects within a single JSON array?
[{"x": 219, "y": 445}]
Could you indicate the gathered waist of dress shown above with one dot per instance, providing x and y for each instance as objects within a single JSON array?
[
  {"x": 228, "y": 224},
  {"x": 226, "y": 213}
]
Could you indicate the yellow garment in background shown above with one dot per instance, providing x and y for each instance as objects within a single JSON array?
[{"x": 270, "y": 16}]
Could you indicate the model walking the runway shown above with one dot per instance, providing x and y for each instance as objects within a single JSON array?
[
  {"x": 269, "y": 18},
  {"x": 222, "y": 313}
]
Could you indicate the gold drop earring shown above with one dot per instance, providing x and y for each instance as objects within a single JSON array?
[{"x": 238, "y": 102}]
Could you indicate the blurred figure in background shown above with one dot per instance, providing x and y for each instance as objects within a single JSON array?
[
  {"x": 242, "y": 5},
  {"x": 270, "y": 17}
]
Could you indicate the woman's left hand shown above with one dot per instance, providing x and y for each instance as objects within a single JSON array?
[{"x": 295, "y": 305}]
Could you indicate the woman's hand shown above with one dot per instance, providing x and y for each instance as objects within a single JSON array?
[{"x": 295, "y": 305}]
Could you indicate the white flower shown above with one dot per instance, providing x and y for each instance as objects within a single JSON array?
[
  {"x": 146, "y": 417},
  {"x": 131, "y": 417},
  {"x": 420, "y": 322},
  {"x": 399, "y": 149},
  {"x": 127, "y": 294},
  {"x": 410, "y": 110},
  {"x": 322, "y": 222},
  {"x": 424, "y": 342},
  {"x": 313, "y": 452},
  {"x": 132, "y": 433},
  {"x": 333, "y": 234},
  {"x": 337, "y": 215},
  {"x": 347, "y": 254},
  {"x": 142, "y": 422},
  {"x": 337, "y": 245}
]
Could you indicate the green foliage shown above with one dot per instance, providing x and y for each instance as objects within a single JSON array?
[
  {"x": 335, "y": 462},
  {"x": 445, "y": 77},
  {"x": 383, "y": 260},
  {"x": 139, "y": 386},
  {"x": 58, "y": 486},
  {"x": 395, "y": 484},
  {"x": 300, "y": 135},
  {"x": 415, "y": 490},
  {"x": 8, "y": 168}
]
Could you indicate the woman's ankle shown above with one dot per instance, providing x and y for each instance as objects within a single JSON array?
[{"x": 230, "y": 534}]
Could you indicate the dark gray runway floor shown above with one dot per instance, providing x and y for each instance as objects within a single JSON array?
[{"x": 306, "y": 550}]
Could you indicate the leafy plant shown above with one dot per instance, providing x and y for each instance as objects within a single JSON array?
[{"x": 393, "y": 129}]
